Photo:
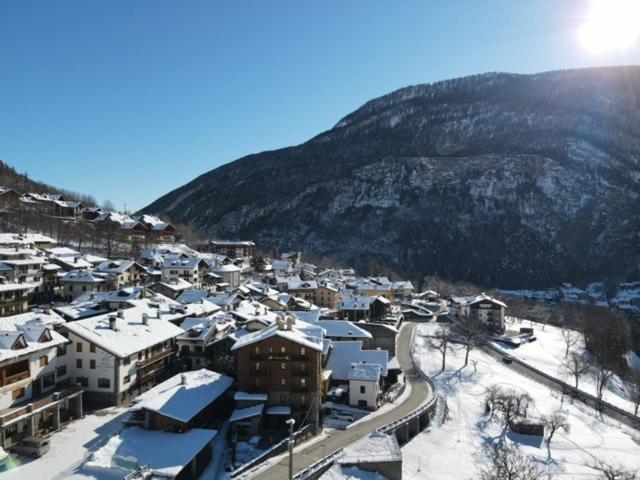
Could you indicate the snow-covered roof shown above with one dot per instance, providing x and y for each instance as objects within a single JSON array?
[
  {"x": 131, "y": 334},
  {"x": 486, "y": 298},
  {"x": 227, "y": 269},
  {"x": 82, "y": 277},
  {"x": 177, "y": 284},
  {"x": 184, "y": 395},
  {"x": 341, "y": 329},
  {"x": 343, "y": 354},
  {"x": 28, "y": 335},
  {"x": 166, "y": 453},
  {"x": 24, "y": 239},
  {"x": 250, "y": 397},
  {"x": 293, "y": 335},
  {"x": 365, "y": 372},
  {"x": 115, "y": 266},
  {"x": 13, "y": 287},
  {"x": 248, "y": 412}
]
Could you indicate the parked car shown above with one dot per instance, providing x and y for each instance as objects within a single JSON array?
[
  {"x": 33, "y": 447},
  {"x": 507, "y": 359}
]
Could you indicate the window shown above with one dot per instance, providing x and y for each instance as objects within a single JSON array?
[
  {"x": 139, "y": 355},
  {"x": 61, "y": 350},
  {"x": 78, "y": 363},
  {"x": 92, "y": 364},
  {"x": 303, "y": 351},
  {"x": 283, "y": 381},
  {"x": 362, "y": 389},
  {"x": 61, "y": 371},
  {"x": 303, "y": 399},
  {"x": 126, "y": 361},
  {"x": 78, "y": 347},
  {"x": 127, "y": 379},
  {"x": 18, "y": 393},
  {"x": 92, "y": 348},
  {"x": 49, "y": 380},
  {"x": 44, "y": 361},
  {"x": 257, "y": 365},
  {"x": 283, "y": 350},
  {"x": 83, "y": 381},
  {"x": 104, "y": 383},
  {"x": 283, "y": 366},
  {"x": 303, "y": 382},
  {"x": 257, "y": 382}
]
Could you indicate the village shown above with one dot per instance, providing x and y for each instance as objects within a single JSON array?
[{"x": 215, "y": 361}]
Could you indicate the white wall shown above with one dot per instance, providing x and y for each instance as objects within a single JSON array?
[{"x": 372, "y": 389}]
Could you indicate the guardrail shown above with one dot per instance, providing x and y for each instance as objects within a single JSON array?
[
  {"x": 272, "y": 451},
  {"x": 605, "y": 407}
]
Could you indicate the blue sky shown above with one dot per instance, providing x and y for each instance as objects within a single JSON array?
[{"x": 128, "y": 100}]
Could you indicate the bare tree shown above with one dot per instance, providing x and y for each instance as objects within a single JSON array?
[
  {"x": 612, "y": 472},
  {"x": 508, "y": 464},
  {"x": 507, "y": 403},
  {"x": 470, "y": 332},
  {"x": 557, "y": 421},
  {"x": 571, "y": 339},
  {"x": 634, "y": 390},
  {"x": 602, "y": 379},
  {"x": 575, "y": 366},
  {"x": 441, "y": 342}
]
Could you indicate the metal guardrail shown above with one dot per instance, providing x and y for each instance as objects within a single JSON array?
[
  {"x": 602, "y": 406},
  {"x": 272, "y": 451}
]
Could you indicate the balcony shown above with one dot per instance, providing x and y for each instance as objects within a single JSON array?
[
  {"x": 155, "y": 357},
  {"x": 16, "y": 377},
  {"x": 40, "y": 404}
]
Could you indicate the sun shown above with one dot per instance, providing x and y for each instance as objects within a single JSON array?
[{"x": 611, "y": 25}]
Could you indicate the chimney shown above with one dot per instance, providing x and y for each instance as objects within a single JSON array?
[
  {"x": 112, "y": 323},
  {"x": 120, "y": 314},
  {"x": 289, "y": 323},
  {"x": 183, "y": 379},
  {"x": 145, "y": 318}
]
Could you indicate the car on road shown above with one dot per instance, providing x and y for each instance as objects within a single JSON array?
[
  {"x": 33, "y": 447},
  {"x": 507, "y": 359}
]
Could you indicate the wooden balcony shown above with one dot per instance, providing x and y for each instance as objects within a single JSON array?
[
  {"x": 155, "y": 357},
  {"x": 39, "y": 404},
  {"x": 8, "y": 380}
]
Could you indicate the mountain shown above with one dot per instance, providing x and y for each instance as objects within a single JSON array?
[{"x": 500, "y": 179}]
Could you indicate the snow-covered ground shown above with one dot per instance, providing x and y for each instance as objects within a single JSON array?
[
  {"x": 457, "y": 449},
  {"x": 69, "y": 447},
  {"x": 547, "y": 354}
]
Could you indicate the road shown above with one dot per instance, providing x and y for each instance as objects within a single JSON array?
[{"x": 420, "y": 391}]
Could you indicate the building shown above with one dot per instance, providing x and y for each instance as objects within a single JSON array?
[
  {"x": 193, "y": 399},
  {"x": 25, "y": 263},
  {"x": 229, "y": 274},
  {"x": 487, "y": 310},
  {"x": 14, "y": 297},
  {"x": 231, "y": 248},
  {"x": 283, "y": 362},
  {"x": 196, "y": 344},
  {"x": 116, "y": 356},
  {"x": 121, "y": 273},
  {"x": 35, "y": 396},
  {"x": 76, "y": 283},
  {"x": 182, "y": 267},
  {"x": 364, "y": 385}
]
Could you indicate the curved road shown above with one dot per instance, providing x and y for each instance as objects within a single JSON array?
[{"x": 420, "y": 391}]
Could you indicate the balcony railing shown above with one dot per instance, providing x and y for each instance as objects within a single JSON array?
[
  {"x": 43, "y": 402},
  {"x": 155, "y": 357},
  {"x": 9, "y": 379}
]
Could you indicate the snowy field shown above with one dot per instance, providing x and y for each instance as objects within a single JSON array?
[
  {"x": 69, "y": 447},
  {"x": 547, "y": 354},
  {"x": 457, "y": 449}
]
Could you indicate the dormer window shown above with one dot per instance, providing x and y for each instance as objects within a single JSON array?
[{"x": 45, "y": 336}]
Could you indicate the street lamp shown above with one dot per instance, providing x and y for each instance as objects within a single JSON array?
[{"x": 291, "y": 422}]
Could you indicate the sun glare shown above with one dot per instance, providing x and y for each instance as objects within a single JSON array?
[{"x": 611, "y": 25}]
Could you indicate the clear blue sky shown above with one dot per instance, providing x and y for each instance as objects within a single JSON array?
[{"x": 127, "y": 100}]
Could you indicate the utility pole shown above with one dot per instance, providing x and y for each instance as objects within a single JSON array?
[{"x": 291, "y": 422}]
